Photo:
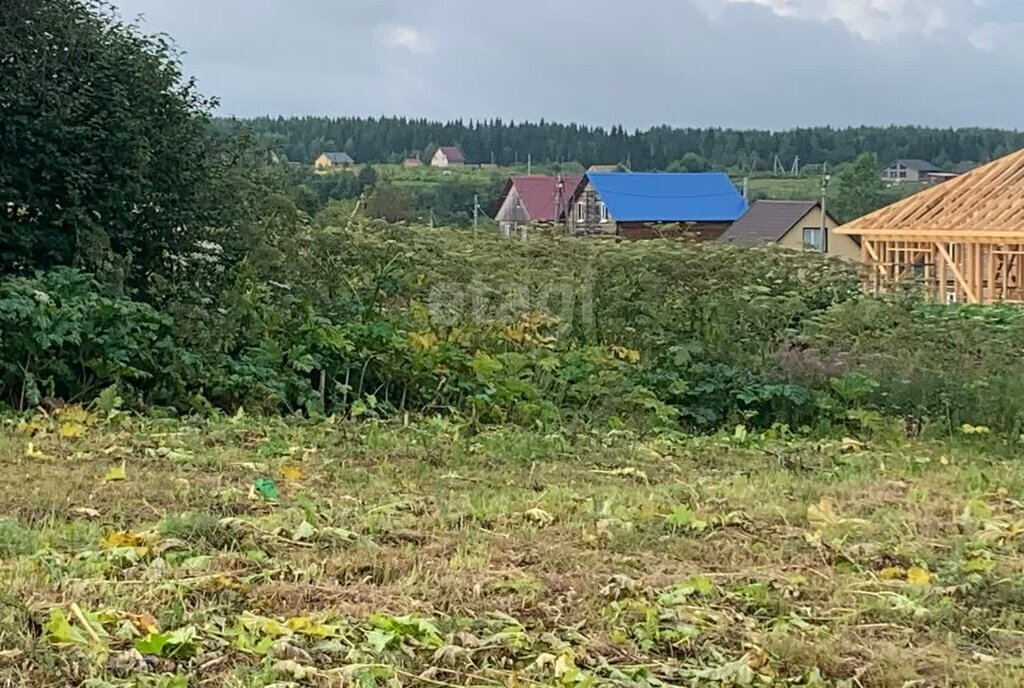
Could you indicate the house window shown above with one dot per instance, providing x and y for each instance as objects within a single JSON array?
[
  {"x": 581, "y": 211},
  {"x": 604, "y": 211},
  {"x": 814, "y": 238}
]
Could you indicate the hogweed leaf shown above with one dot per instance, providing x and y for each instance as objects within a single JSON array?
[
  {"x": 918, "y": 576},
  {"x": 116, "y": 473},
  {"x": 823, "y": 514},
  {"x": 60, "y": 631},
  {"x": 72, "y": 430}
]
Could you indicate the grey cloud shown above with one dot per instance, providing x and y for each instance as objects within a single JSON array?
[{"x": 640, "y": 63}]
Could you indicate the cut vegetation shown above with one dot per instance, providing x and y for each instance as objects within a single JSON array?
[{"x": 254, "y": 553}]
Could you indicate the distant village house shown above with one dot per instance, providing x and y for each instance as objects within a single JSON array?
[
  {"x": 410, "y": 163},
  {"x": 328, "y": 160},
  {"x": 902, "y": 171},
  {"x": 792, "y": 224},
  {"x": 700, "y": 206},
  {"x": 532, "y": 200},
  {"x": 448, "y": 156}
]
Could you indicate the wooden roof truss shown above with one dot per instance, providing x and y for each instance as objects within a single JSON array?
[{"x": 964, "y": 239}]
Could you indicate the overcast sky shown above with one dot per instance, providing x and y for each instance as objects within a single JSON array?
[{"x": 745, "y": 63}]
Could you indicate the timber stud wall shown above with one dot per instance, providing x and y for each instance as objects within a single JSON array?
[{"x": 954, "y": 271}]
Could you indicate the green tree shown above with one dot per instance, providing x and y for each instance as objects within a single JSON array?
[
  {"x": 391, "y": 203},
  {"x": 306, "y": 199},
  {"x": 109, "y": 161},
  {"x": 691, "y": 162},
  {"x": 859, "y": 189},
  {"x": 340, "y": 213},
  {"x": 428, "y": 153},
  {"x": 367, "y": 178}
]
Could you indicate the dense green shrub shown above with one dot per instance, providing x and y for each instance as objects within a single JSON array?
[
  {"x": 111, "y": 163},
  {"x": 61, "y": 337},
  {"x": 948, "y": 364},
  {"x": 381, "y": 319}
]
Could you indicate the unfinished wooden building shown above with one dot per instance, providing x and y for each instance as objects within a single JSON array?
[{"x": 963, "y": 239}]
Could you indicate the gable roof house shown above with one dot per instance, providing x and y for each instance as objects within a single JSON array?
[
  {"x": 964, "y": 239},
  {"x": 656, "y": 204},
  {"x": 901, "y": 171},
  {"x": 448, "y": 156},
  {"x": 792, "y": 224},
  {"x": 328, "y": 160},
  {"x": 533, "y": 199}
]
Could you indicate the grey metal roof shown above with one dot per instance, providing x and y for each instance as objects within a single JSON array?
[
  {"x": 340, "y": 158},
  {"x": 918, "y": 165},
  {"x": 767, "y": 221}
]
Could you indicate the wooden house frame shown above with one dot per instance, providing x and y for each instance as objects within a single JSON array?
[{"x": 963, "y": 239}]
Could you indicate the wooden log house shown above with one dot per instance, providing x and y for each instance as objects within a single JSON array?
[{"x": 964, "y": 239}]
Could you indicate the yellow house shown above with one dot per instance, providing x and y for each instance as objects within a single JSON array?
[
  {"x": 328, "y": 160},
  {"x": 793, "y": 224}
]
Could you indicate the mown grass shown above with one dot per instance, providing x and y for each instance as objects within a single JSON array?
[{"x": 257, "y": 552}]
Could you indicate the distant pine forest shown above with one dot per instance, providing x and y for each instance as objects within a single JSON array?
[{"x": 393, "y": 139}]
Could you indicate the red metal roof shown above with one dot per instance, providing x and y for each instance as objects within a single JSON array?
[
  {"x": 539, "y": 193},
  {"x": 453, "y": 154}
]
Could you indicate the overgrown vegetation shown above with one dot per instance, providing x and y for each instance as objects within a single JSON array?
[{"x": 383, "y": 320}]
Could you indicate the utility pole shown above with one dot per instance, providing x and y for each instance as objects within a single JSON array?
[
  {"x": 559, "y": 190},
  {"x": 529, "y": 163},
  {"x": 746, "y": 189},
  {"x": 560, "y": 207},
  {"x": 476, "y": 211},
  {"x": 825, "y": 179}
]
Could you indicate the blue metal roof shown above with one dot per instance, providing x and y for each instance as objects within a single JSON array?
[{"x": 669, "y": 197}]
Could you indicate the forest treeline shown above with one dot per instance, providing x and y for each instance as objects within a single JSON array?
[{"x": 391, "y": 139}]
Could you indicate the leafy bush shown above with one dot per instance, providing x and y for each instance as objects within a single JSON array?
[
  {"x": 951, "y": 364},
  {"x": 111, "y": 162},
  {"x": 60, "y": 337}
]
